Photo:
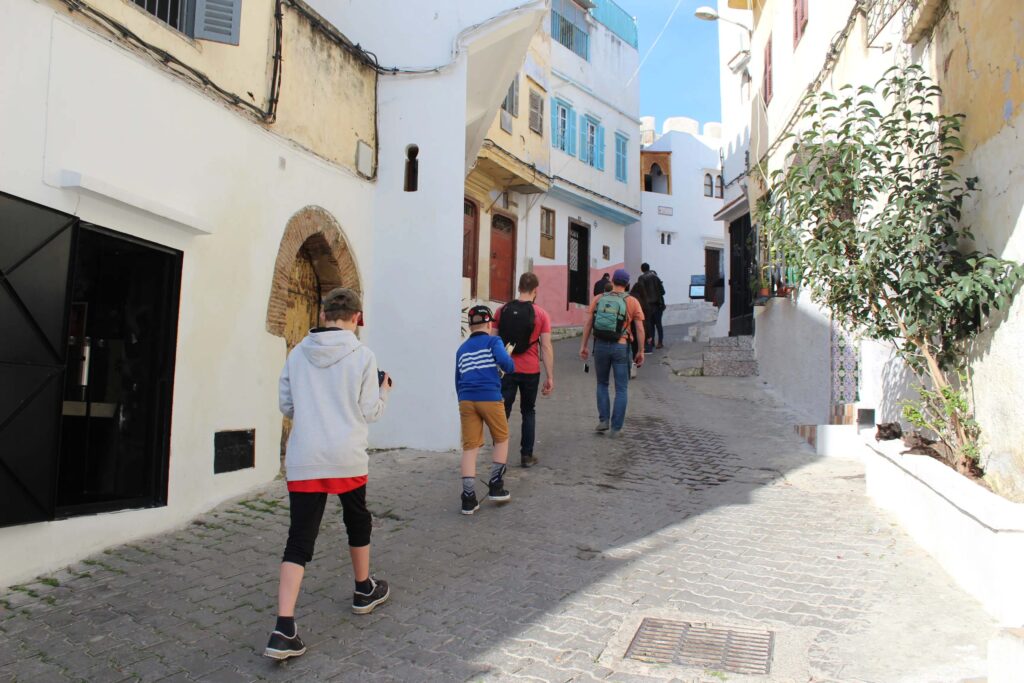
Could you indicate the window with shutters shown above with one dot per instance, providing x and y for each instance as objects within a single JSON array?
[
  {"x": 592, "y": 143},
  {"x": 536, "y": 112},
  {"x": 213, "y": 20},
  {"x": 621, "y": 157},
  {"x": 511, "y": 103},
  {"x": 709, "y": 185},
  {"x": 563, "y": 127},
  {"x": 547, "y": 233},
  {"x": 799, "y": 20},
  {"x": 766, "y": 83}
]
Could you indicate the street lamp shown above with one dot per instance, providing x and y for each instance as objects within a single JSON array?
[{"x": 706, "y": 13}]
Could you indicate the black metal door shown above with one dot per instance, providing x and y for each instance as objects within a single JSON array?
[
  {"x": 118, "y": 388},
  {"x": 579, "y": 263},
  {"x": 35, "y": 252},
  {"x": 741, "y": 277}
]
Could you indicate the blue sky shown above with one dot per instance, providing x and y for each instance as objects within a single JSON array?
[{"x": 680, "y": 78}]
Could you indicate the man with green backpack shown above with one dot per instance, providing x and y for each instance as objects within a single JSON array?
[{"x": 611, "y": 322}]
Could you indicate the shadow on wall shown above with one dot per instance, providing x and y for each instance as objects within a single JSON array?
[
  {"x": 898, "y": 384},
  {"x": 793, "y": 341}
]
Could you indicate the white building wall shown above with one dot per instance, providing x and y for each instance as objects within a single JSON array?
[
  {"x": 691, "y": 221},
  {"x": 736, "y": 90},
  {"x": 602, "y": 88},
  {"x": 605, "y": 88},
  {"x": 77, "y": 101}
]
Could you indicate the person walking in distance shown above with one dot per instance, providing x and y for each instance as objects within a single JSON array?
[
  {"x": 330, "y": 388},
  {"x": 655, "y": 290},
  {"x": 527, "y": 327},
  {"x": 602, "y": 285},
  {"x": 478, "y": 383},
  {"x": 638, "y": 293},
  {"x": 610, "y": 319}
]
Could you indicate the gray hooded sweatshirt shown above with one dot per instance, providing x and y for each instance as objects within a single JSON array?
[{"x": 329, "y": 389}]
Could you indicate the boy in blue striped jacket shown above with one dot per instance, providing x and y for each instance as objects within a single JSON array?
[{"x": 478, "y": 384}]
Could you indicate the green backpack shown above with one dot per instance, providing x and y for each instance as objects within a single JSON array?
[{"x": 610, "y": 316}]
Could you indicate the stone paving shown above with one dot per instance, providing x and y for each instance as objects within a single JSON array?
[{"x": 708, "y": 509}]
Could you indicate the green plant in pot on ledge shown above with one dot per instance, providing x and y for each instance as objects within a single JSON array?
[{"x": 868, "y": 208}]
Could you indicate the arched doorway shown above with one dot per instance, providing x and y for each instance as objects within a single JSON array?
[{"x": 313, "y": 259}]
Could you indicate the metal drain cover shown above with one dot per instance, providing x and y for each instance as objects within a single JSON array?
[{"x": 737, "y": 650}]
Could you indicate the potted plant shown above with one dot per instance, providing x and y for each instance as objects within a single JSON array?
[{"x": 764, "y": 286}]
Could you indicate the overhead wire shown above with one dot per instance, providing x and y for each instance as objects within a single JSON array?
[{"x": 651, "y": 48}]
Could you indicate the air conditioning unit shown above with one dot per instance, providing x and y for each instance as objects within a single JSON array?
[{"x": 506, "y": 121}]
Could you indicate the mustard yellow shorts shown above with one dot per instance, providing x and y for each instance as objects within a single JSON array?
[{"x": 474, "y": 414}]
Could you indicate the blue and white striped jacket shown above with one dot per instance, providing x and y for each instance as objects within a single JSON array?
[{"x": 476, "y": 367}]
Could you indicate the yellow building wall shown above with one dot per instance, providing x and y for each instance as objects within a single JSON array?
[
  {"x": 327, "y": 98},
  {"x": 978, "y": 59},
  {"x": 535, "y": 75}
]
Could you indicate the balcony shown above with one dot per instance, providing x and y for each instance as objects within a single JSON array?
[{"x": 616, "y": 19}]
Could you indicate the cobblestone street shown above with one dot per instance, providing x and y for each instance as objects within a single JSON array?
[{"x": 709, "y": 509}]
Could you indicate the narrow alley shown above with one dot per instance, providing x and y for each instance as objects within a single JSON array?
[{"x": 709, "y": 510}]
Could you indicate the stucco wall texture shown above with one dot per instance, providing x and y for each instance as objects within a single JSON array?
[
  {"x": 974, "y": 49},
  {"x": 976, "y": 54}
]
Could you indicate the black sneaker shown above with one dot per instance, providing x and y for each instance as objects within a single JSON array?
[
  {"x": 282, "y": 647},
  {"x": 528, "y": 461},
  {"x": 469, "y": 503},
  {"x": 496, "y": 492},
  {"x": 364, "y": 603}
]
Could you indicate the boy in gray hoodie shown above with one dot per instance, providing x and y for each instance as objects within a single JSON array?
[{"x": 331, "y": 391}]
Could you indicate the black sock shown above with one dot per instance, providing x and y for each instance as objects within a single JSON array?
[
  {"x": 365, "y": 587},
  {"x": 286, "y": 625}
]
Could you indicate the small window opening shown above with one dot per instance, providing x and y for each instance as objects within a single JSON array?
[
  {"x": 719, "y": 187},
  {"x": 709, "y": 185},
  {"x": 658, "y": 180},
  {"x": 412, "y": 168}
]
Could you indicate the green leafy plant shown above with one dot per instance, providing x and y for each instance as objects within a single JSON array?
[{"x": 868, "y": 208}]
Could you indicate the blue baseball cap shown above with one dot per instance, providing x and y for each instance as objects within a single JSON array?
[{"x": 621, "y": 277}]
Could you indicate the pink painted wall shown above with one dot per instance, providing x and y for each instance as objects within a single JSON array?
[{"x": 553, "y": 293}]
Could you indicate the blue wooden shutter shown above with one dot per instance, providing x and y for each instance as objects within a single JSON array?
[
  {"x": 554, "y": 123},
  {"x": 584, "y": 148},
  {"x": 599, "y": 148},
  {"x": 218, "y": 20},
  {"x": 570, "y": 146}
]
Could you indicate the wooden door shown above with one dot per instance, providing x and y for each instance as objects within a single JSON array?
[
  {"x": 741, "y": 276},
  {"x": 470, "y": 240},
  {"x": 711, "y": 276},
  {"x": 579, "y": 264},
  {"x": 503, "y": 257}
]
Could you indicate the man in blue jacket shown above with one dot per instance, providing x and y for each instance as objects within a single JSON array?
[{"x": 478, "y": 384}]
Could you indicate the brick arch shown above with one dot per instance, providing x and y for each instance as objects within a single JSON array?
[{"x": 316, "y": 230}]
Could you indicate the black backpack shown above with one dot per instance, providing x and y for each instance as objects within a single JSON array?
[{"x": 515, "y": 326}]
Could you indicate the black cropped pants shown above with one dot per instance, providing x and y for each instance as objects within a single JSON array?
[{"x": 307, "y": 511}]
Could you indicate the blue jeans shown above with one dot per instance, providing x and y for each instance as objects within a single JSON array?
[{"x": 612, "y": 357}]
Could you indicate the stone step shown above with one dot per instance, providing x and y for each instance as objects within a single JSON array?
[
  {"x": 730, "y": 368},
  {"x": 728, "y": 353},
  {"x": 744, "y": 342}
]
